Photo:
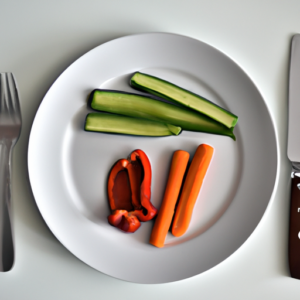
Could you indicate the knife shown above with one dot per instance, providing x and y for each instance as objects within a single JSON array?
[{"x": 293, "y": 152}]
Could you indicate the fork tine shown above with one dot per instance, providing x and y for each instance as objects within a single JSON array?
[
  {"x": 13, "y": 99},
  {"x": 9, "y": 92},
  {"x": 5, "y": 96},
  {"x": 9, "y": 102},
  {"x": 3, "y": 89}
]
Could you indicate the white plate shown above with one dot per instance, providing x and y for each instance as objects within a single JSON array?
[{"x": 68, "y": 167}]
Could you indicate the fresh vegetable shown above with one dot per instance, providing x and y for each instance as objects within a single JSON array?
[
  {"x": 129, "y": 192},
  {"x": 139, "y": 106},
  {"x": 172, "y": 92},
  {"x": 110, "y": 123},
  {"x": 165, "y": 214},
  {"x": 124, "y": 220},
  {"x": 191, "y": 189}
]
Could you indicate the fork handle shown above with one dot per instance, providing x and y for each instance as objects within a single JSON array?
[{"x": 6, "y": 237}]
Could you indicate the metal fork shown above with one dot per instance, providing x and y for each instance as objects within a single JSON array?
[{"x": 10, "y": 128}]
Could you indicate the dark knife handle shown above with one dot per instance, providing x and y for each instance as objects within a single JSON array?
[{"x": 294, "y": 233}]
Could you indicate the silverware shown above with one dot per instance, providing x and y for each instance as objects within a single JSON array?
[
  {"x": 10, "y": 127},
  {"x": 293, "y": 152}
]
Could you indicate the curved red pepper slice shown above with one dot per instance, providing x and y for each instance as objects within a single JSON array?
[{"x": 129, "y": 192}]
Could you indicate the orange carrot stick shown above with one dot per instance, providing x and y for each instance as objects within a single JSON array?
[
  {"x": 166, "y": 211},
  {"x": 191, "y": 189}
]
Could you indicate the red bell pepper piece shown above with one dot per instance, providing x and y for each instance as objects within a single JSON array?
[
  {"x": 124, "y": 220},
  {"x": 129, "y": 192}
]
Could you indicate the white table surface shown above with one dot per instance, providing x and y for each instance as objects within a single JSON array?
[{"x": 39, "y": 39}]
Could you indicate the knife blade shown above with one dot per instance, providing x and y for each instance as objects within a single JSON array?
[{"x": 293, "y": 152}]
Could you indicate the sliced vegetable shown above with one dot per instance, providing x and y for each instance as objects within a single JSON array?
[
  {"x": 110, "y": 123},
  {"x": 138, "y": 106},
  {"x": 191, "y": 189},
  {"x": 166, "y": 211},
  {"x": 170, "y": 91},
  {"x": 124, "y": 220},
  {"x": 129, "y": 192}
]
